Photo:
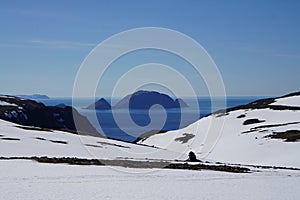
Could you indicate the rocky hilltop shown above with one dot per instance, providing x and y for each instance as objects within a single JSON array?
[{"x": 31, "y": 113}]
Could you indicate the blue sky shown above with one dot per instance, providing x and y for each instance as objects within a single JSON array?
[{"x": 255, "y": 44}]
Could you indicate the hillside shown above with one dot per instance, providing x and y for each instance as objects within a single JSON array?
[
  {"x": 31, "y": 113},
  {"x": 264, "y": 132}
]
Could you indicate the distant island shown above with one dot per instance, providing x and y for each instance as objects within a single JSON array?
[
  {"x": 101, "y": 104},
  {"x": 33, "y": 96},
  {"x": 140, "y": 100}
]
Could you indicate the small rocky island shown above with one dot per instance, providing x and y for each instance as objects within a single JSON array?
[
  {"x": 141, "y": 100},
  {"x": 101, "y": 104}
]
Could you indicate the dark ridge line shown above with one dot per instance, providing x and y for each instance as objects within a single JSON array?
[
  {"x": 262, "y": 104},
  {"x": 290, "y": 95},
  {"x": 133, "y": 164},
  {"x": 269, "y": 126},
  {"x": 148, "y": 134},
  {"x": 275, "y": 125}
]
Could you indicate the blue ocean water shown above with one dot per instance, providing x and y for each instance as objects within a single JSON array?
[{"x": 107, "y": 124}]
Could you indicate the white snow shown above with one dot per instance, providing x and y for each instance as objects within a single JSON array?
[
  {"x": 288, "y": 101},
  {"x": 216, "y": 138},
  {"x": 40, "y": 143},
  {"x": 4, "y": 103},
  {"x": 234, "y": 146},
  {"x": 28, "y": 180}
]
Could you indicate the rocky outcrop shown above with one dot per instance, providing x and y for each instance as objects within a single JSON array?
[{"x": 32, "y": 113}]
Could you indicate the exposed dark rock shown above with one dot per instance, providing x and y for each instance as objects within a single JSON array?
[
  {"x": 192, "y": 157},
  {"x": 185, "y": 138},
  {"x": 146, "y": 135},
  {"x": 59, "y": 141},
  {"x": 40, "y": 138},
  {"x": 8, "y": 138},
  {"x": 287, "y": 136},
  {"x": 93, "y": 145},
  {"x": 252, "y": 121},
  {"x": 269, "y": 126},
  {"x": 112, "y": 144},
  {"x": 241, "y": 116},
  {"x": 32, "y": 113},
  {"x": 136, "y": 164}
]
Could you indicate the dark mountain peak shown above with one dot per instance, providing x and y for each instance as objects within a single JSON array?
[{"x": 101, "y": 104}]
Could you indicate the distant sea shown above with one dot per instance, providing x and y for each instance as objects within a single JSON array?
[{"x": 141, "y": 117}]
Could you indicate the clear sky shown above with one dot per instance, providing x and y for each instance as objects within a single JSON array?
[{"x": 255, "y": 43}]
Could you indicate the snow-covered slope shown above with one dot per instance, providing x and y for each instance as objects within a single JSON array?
[
  {"x": 288, "y": 101},
  {"x": 25, "y": 141},
  {"x": 27, "y": 180},
  {"x": 265, "y": 132}
]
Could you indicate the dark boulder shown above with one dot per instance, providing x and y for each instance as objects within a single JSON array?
[{"x": 193, "y": 157}]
